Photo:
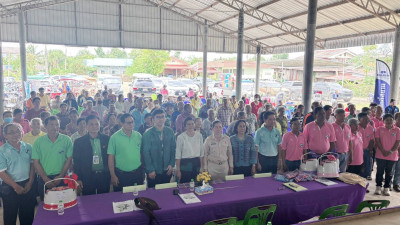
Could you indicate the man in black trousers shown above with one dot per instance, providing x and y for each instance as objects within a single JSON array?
[{"x": 91, "y": 160}]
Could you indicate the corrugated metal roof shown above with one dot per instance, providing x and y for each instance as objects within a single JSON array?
[{"x": 277, "y": 25}]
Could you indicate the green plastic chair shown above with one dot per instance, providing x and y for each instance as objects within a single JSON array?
[
  {"x": 335, "y": 211},
  {"x": 372, "y": 205},
  {"x": 225, "y": 221},
  {"x": 263, "y": 215}
]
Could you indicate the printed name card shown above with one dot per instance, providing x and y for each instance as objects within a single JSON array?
[
  {"x": 166, "y": 185},
  {"x": 234, "y": 177}
]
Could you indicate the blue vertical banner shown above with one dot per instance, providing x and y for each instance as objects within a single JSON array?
[{"x": 382, "y": 84}]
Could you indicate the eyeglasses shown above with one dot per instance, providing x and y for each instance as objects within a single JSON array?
[
  {"x": 160, "y": 117},
  {"x": 129, "y": 122}
]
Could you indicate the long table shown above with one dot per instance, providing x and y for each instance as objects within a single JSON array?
[{"x": 232, "y": 198}]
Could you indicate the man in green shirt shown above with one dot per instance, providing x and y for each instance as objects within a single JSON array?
[
  {"x": 124, "y": 156},
  {"x": 52, "y": 155},
  {"x": 91, "y": 159},
  {"x": 159, "y": 150}
]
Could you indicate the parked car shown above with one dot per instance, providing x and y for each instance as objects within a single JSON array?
[
  {"x": 294, "y": 89},
  {"x": 114, "y": 83},
  {"x": 220, "y": 89},
  {"x": 143, "y": 85},
  {"x": 327, "y": 89},
  {"x": 158, "y": 83},
  {"x": 176, "y": 88},
  {"x": 190, "y": 84}
]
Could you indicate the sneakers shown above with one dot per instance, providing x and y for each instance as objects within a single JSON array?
[
  {"x": 396, "y": 188},
  {"x": 386, "y": 192},
  {"x": 369, "y": 178},
  {"x": 378, "y": 190}
]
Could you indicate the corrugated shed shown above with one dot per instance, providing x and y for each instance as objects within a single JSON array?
[{"x": 277, "y": 25}]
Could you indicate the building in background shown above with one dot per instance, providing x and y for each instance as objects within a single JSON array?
[
  {"x": 109, "y": 65},
  {"x": 176, "y": 68}
]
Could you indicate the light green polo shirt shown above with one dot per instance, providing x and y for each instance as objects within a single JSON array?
[
  {"x": 126, "y": 150},
  {"x": 17, "y": 164},
  {"x": 268, "y": 141},
  {"x": 52, "y": 156}
]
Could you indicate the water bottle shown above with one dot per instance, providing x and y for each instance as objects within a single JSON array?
[
  {"x": 192, "y": 185},
  {"x": 60, "y": 208},
  {"x": 135, "y": 190}
]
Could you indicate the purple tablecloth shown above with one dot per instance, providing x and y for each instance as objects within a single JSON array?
[{"x": 232, "y": 198}]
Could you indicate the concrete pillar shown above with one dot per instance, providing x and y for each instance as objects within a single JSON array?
[
  {"x": 309, "y": 55},
  {"x": 22, "y": 50},
  {"x": 239, "y": 56},
  {"x": 394, "y": 79},
  {"x": 205, "y": 60},
  {"x": 258, "y": 69}
]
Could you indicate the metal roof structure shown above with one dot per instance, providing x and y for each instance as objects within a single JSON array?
[{"x": 278, "y": 26}]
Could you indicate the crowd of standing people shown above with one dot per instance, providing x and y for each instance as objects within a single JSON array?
[{"x": 109, "y": 140}]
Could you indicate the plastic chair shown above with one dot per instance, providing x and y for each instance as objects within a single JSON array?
[
  {"x": 335, "y": 211},
  {"x": 263, "y": 214},
  {"x": 372, "y": 205},
  {"x": 225, "y": 221}
]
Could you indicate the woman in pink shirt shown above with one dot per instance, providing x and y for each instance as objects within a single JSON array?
[
  {"x": 377, "y": 120},
  {"x": 356, "y": 148},
  {"x": 293, "y": 146},
  {"x": 387, "y": 142}
]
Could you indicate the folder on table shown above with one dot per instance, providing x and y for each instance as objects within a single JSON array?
[
  {"x": 234, "y": 177},
  {"x": 128, "y": 189},
  {"x": 166, "y": 185},
  {"x": 259, "y": 175},
  {"x": 295, "y": 187}
]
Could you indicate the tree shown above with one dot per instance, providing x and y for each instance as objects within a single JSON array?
[
  {"x": 192, "y": 60},
  {"x": 148, "y": 61},
  {"x": 77, "y": 64},
  {"x": 57, "y": 62},
  {"x": 117, "y": 53},
  {"x": 280, "y": 56},
  {"x": 100, "y": 52}
]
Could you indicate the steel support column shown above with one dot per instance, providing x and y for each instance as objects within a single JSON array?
[
  {"x": 1, "y": 76},
  {"x": 205, "y": 60},
  {"x": 258, "y": 69},
  {"x": 239, "y": 56},
  {"x": 22, "y": 50},
  {"x": 394, "y": 79},
  {"x": 309, "y": 55}
]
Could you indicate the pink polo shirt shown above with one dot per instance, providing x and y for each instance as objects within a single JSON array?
[
  {"x": 293, "y": 145},
  {"x": 377, "y": 123},
  {"x": 358, "y": 151},
  {"x": 367, "y": 135},
  {"x": 342, "y": 137},
  {"x": 26, "y": 127},
  {"x": 388, "y": 139},
  {"x": 318, "y": 139}
]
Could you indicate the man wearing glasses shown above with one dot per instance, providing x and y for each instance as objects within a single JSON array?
[
  {"x": 159, "y": 150},
  {"x": 124, "y": 157}
]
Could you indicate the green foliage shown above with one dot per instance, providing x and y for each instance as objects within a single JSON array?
[
  {"x": 100, "y": 52},
  {"x": 117, "y": 53},
  {"x": 77, "y": 64},
  {"x": 367, "y": 60},
  {"x": 193, "y": 60},
  {"x": 148, "y": 61},
  {"x": 363, "y": 88},
  {"x": 280, "y": 56}
]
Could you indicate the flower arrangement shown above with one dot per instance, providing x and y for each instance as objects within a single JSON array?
[{"x": 204, "y": 176}]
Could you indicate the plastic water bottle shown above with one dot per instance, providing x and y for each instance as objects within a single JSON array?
[
  {"x": 192, "y": 185},
  {"x": 60, "y": 208},
  {"x": 135, "y": 190}
]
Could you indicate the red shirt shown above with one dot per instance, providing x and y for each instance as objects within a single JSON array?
[{"x": 254, "y": 107}]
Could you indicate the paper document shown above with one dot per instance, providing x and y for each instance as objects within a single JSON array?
[
  {"x": 126, "y": 206},
  {"x": 189, "y": 198}
]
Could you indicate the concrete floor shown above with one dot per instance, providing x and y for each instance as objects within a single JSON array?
[{"x": 394, "y": 198}]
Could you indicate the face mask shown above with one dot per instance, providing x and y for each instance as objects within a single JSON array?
[
  {"x": 8, "y": 119},
  {"x": 256, "y": 99}
]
